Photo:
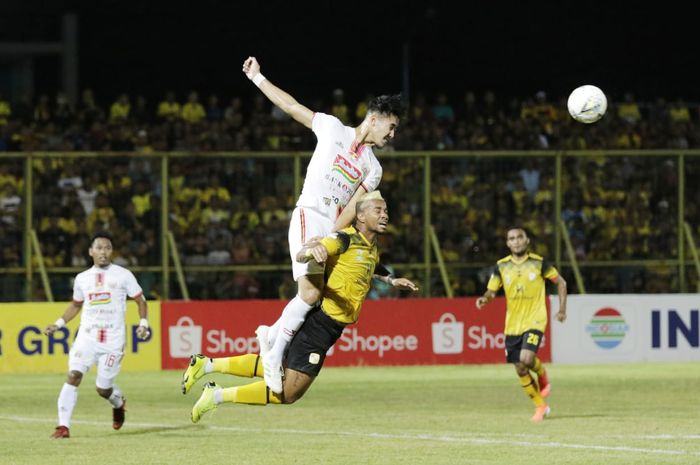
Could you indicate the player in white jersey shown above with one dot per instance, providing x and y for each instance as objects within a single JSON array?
[
  {"x": 100, "y": 292},
  {"x": 342, "y": 169}
]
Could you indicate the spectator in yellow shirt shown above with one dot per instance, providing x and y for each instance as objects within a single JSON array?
[
  {"x": 5, "y": 110},
  {"x": 169, "y": 109},
  {"x": 120, "y": 109},
  {"x": 193, "y": 111}
]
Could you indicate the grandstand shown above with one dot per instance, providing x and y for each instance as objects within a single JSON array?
[{"x": 622, "y": 189}]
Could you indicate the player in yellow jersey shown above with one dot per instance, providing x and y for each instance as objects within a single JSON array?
[
  {"x": 351, "y": 257},
  {"x": 522, "y": 275}
]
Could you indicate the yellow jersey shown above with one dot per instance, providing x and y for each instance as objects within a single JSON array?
[
  {"x": 349, "y": 270},
  {"x": 524, "y": 286}
]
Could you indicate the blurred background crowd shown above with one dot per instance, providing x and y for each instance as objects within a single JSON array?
[{"x": 235, "y": 210}]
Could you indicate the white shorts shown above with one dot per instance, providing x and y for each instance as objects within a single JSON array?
[
  {"x": 86, "y": 352},
  {"x": 305, "y": 224}
]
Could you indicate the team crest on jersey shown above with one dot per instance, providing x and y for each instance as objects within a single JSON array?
[
  {"x": 532, "y": 276},
  {"x": 346, "y": 169},
  {"x": 99, "y": 298}
]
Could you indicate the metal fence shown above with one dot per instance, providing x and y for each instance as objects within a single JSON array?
[{"x": 612, "y": 221}]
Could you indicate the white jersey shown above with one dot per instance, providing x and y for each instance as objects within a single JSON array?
[
  {"x": 337, "y": 168},
  {"x": 103, "y": 293}
]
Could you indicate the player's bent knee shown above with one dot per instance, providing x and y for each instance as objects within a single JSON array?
[
  {"x": 293, "y": 396},
  {"x": 521, "y": 368},
  {"x": 310, "y": 295},
  {"x": 104, "y": 392},
  {"x": 74, "y": 378},
  {"x": 311, "y": 288}
]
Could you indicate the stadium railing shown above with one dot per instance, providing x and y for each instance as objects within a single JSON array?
[{"x": 674, "y": 263}]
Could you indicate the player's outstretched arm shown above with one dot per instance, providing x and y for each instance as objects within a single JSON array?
[
  {"x": 282, "y": 99},
  {"x": 70, "y": 313},
  {"x": 403, "y": 284}
]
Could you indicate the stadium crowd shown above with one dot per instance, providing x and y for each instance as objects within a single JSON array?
[{"x": 234, "y": 210}]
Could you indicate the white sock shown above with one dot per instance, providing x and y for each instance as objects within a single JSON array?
[
  {"x": 290, "y": 321},
  {"x": 219, "y": 396},
  {"x": 272, "y": 332},
  {"x": 116, "y": 399},
  {"x": 66, "y": 403},
  {"x": 209, "y": 366}
]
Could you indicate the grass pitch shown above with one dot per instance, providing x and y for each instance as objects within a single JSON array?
[{"x": 615, "y": 414}]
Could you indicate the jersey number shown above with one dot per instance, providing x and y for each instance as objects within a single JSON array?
[{"x": 533, "y": 339}]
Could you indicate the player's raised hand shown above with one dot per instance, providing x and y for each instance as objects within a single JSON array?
[
  {"x": 251, "y": 67},
  {"x": 404, "y": 284}
]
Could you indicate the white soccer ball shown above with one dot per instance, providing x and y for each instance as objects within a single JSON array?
[{"x": 587, "y": 104}]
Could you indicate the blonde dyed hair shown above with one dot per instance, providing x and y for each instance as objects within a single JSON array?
[{"x": 361, "y": 203}]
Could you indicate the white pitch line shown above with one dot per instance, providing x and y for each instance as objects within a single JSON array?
[{"x": 425, "y": 437}]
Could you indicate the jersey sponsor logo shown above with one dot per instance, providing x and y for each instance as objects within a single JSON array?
[
  {"x": 99, "y": 298},
  {"x": 346, "y": 169}
]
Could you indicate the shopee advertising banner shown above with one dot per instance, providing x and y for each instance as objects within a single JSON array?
[
  {"x": 25, "y": 349},
  {"x": 627, "y": 328},
  {"x": 389, "y": 332}
]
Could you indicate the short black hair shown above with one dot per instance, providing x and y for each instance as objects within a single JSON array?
[
  {"x": 101, "y": 235},
  {"x": 387, "y": 105},
  {"x": 520, "y": 227}
]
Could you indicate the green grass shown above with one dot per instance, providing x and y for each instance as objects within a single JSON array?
[{"x": 613, "y": 414}]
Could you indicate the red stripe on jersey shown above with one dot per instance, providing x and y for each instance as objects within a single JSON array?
[
  {"x": 137, "y": 295},
  {"x": 303, "y": 225},
  {"x": 101, "y": 335},
  {"x": 356, "y": 149},
  {"x": 362, "y": 184}
]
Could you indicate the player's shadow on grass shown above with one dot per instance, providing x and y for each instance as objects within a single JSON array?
[
  {"x": 153, "y": 430},
  {"x": 565, "y": 416}
]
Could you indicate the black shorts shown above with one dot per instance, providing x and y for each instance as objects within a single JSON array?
[
  {"x": 307, "y": 351},
  {"x": 529, "y": 340}
]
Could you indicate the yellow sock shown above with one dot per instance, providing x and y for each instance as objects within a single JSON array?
[
  {"x": 537, "y": 367},
  {"x": 247, "y": 365},
  {"x": 254, "y": 393},
  {"x": 531, "y": 390}
]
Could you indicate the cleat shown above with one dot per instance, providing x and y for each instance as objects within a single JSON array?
[
  {"x": 205, "y": 402},
  {"x": 263, "y": 341},
  {"x": 543, "y": 383},
  {"x": 540, "y": 413},
  {"x": 273, "y": 373},
  {"x": 194, "y": 371},
  {"x": 118, "y": 415},
  {"x": 61, "y": 432}
]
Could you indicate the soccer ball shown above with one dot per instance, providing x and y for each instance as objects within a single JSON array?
[{"x": 587, "y": 104}]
